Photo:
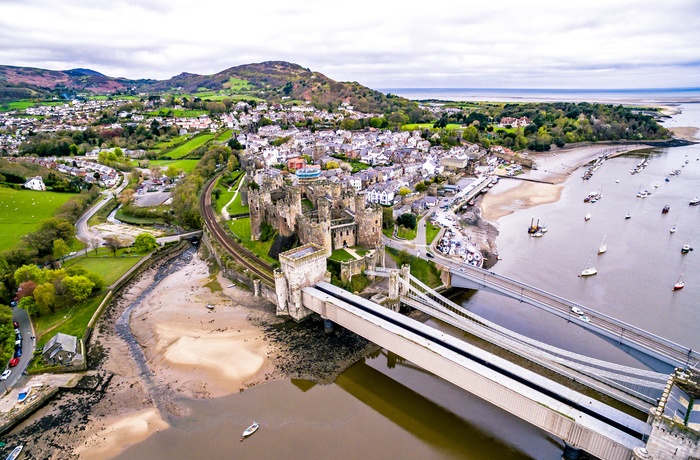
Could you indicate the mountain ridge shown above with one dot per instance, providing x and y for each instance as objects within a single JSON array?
[{"x": 274, "y": 81}]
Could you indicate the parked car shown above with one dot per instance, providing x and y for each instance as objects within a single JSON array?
[
  {"x": 18, "y": 352},
  {"x": 429, "y": 254},
  {"x": 15, "y": 324},
  {"x": 5, "y": 374},
  {"x": 13, "y": 303},
  {"x": 17, "y": 330},
  {"x": 14, "y": 362},
  {"x": 18, "y": 337}
]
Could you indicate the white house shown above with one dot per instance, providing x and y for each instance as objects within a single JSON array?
[{"x": 35, "y": 183}]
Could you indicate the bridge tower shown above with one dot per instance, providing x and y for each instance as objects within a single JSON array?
[
  {"x": 675, "y": 422},
  {"x": 300, "y": 267}
]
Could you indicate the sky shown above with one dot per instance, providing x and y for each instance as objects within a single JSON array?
[{"x": 596, "y": 44}]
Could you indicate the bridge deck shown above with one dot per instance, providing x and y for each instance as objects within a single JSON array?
[
  {"x": 663, "y": 350},
  {"x": 578, "y": 419}
]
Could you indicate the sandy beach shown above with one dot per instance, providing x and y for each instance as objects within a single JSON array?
[{"x": 553, "y": 168}]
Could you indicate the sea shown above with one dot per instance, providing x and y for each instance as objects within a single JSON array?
[{"x": 384, "y": 407}]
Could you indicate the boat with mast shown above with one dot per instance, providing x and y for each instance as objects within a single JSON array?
[
  {"x": 589, "y": 270},
  {"x": 680, "y": 284},
  {"x": 603, "y": 247}
]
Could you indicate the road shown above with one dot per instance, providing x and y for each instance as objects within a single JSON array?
[
  {"x": 28, "y": 346},
  {"x": 82, "y": 231}
]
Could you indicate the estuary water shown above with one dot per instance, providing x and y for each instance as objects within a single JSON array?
[{"x": 385, "y": 407}]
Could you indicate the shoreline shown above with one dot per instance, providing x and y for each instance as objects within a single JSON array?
[{"x": 553, "y": 169}]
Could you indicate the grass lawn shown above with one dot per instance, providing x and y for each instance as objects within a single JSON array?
[
  {"x": 241, "y": 228},
  {"x": 431, "y": 231},
  {"x": 187, "y": 147},
  {"x": 388, "y": 232},
  {"x": 406, "y": 233},
  {"x": 226, "y": 135},
  {"x": 177, "y": 113},
  {"x": 237, "y": 208},
  {"x": 186, "y": 165},
  {"x": 422, "y": 269},
  {"x": 413, "y": 126},
  {"x": 225, "y": 196},
  {"x": 72, "y": 321},
  {"x": 361, "y": 252},
  {"x": 173, "y": 141},
  {"x": 21, "y": 211},
  {"x": 111, "y": 268},
  {"x": 341, "y": 255}
]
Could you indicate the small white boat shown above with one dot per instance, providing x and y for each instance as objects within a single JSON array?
[
  {"x": 587, "y": 217},
  {"x": 590, "y": 271},
  {"x": 24, "y": 394},
  {"x": 695, "y": 201},
  {"x": 673, "y": 229},
  {"x": 617, "y": 181},
  {"x": 210, "y": 306},
  {"x": 15, "y": 453},
  {"x": 679, "y": 284},
  {"x": 250, "y": 430},
  {"x": 628, "y": 216},
  {"x": 603, "y": 247},
  {"x": 538, "y": 234}
]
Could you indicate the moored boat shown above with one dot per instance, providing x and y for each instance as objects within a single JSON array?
[
  {"x": 680, "y": 284},
  {"x": 590, "y": 271},
  {"x": 24, "y": 394},
  {"x": 15, "y": 453},
  {"x": 695, "y": 201},
  {"x": 587, "y": 217},
  {"x": 250, "y": 430},
  {"x": 666, "y": 209},
  {"x": 628, "y": 216},
  {"x": 603, "y": 247}
]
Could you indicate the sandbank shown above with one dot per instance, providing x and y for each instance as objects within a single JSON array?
[
  {"x": 551, "y": 169},
  {"x": 120, "y": 432}
]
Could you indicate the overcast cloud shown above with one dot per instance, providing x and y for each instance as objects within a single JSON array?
[{"x": 502, "y": 44}]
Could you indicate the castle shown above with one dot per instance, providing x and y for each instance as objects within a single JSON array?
[{"x": 317, "y": 211}]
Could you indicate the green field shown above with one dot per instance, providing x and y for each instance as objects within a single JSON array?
[
  {"x": 186, "y": 165},
  {"x": 110, "y": 268},
  {"x": 23, "y": 105},
  {"x": 225, "y": 136},
  {"x": 241, "y": 228},
  {"x": 171, "y": 143},
  {"x": 413, "y": 126},
  {"x": 72, "y": 321},
  {"x": 177, "y": 113},
  {"x": 431, "y": 231},
  {"x": 406, "y": 233},
  {"x": 21, "y": 211},
  {"x": 189, "y": 146},
  {"x": 341, "y": 255}
]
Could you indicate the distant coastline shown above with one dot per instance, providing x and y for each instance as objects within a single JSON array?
[{"x": 631, "y": 96}]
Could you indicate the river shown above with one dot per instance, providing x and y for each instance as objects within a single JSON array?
[{"x": 384, "y": 407}]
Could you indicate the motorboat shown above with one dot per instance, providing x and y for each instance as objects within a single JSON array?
[
  {"x": 24, "y": 394},
  {"x": 695, "y": 201},
  {"x": 250, "y": 430},
  {"x": 587, "y": 217},
  {"x": 666, "y": 209},
  {"x": 628, "y": 216},
  {"x": 538, "y": 234},
  {"x": 15, "y": 453},
  {"x": 686, "y": 249}
]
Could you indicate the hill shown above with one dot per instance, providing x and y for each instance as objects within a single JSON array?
[{"x": 274, "y": 81}]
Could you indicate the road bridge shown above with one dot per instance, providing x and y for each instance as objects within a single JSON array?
[
  {"x": 580, "y": 421},
  {"x": 657, "y": 352}
]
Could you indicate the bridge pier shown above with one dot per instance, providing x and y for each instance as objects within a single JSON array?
[
  {"x": 571, "y": 452},
  {"x": 327, "y": 326}
]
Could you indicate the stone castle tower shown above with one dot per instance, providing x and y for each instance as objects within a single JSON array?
[{"x": 369, "y": 222}]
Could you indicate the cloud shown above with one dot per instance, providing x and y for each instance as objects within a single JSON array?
[{"x": 550, "y": 43}]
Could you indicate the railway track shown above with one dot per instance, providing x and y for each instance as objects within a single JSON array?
[{"x": 239, "y": 253}]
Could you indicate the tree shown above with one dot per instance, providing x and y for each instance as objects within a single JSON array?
[
  {"x": 172, "y": 172},
  {"x": 113, "y": 243},
  {"x": 388, "y": 217},
  {"x": 332, "y": 165},
  {"x": 26, "y": 289},
  {"x": 403, "y": 191},
  {"x": 60, "y": 249},
  {"x": 144, "y": 242},
  {"x": 407, "y": 219},
  {"x": 94, "y": 244},
  {"x": 126, "y": 196},
  {"x": 45, "y": 297},
  {"x": 29, "y": 272},
  {"x": 79, "y": 287},
  {"x": 217, "y": 193},
  {"x": 421, "y": 186},
  {"x": 28, "y": 304}
]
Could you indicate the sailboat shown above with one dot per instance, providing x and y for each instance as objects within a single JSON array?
[
  {"x": 587, "y": 217},
  {"x": 673, "y": 229},
  {"x": 686, "y": 247},
  {"x": 590, "y": 270},
  {"x": 680, "y": 284},
  {"x": 603, "y": 247}
]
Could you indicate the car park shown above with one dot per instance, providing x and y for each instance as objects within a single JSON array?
[
  {"x": 5, "y": 374},
  {"x": 14, "y": 362}
]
